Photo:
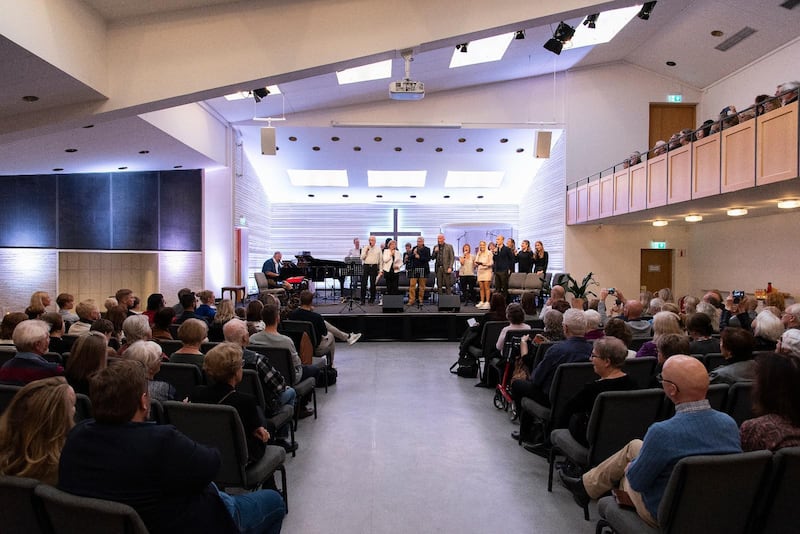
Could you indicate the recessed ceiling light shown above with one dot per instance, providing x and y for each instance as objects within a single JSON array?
[
  {"x": 693, "y": 218},
  {"x": 378, "y": 196},
  {"x": 474, "y": 178},
  {"x": 717, "y": 33},
  {"x": 377, "y": 139},
  {"x": 482, "y": 51},
  {"x": 412, "y": 196},
  {"x": 334, "y": 138},
  {"x": 345, "y": 195},
  {"x": 420, "y": 139},
  {"x": 292, "y": 138},
  {"x": 310, "y": 195},
  {"x": 660, "y": 222},
  {"x": 462, "y": 140},
  {"x": 396, "y": 178},
  {"x": 609, "y": 25},
  {"x": 318, "y": 178},
  {"x": 439, "y": 149},
  {"x": 177, "y": 166},
  {"x": 144, "y": 152},
  {"x": 520, "y": 150},
  {"x": 71, "y": 150},
  {"x": 89, "y": 126},
  {"x": 57, "y": 169},
  {"x": 480, "y": 196},
  {"x": 121, "y": 168},
  {"x": 315, "y": 148},
  {"x": 365, "y": 73},
  {"x": 357, "y": 148},
  {"x": 737, "y": 212},
  {"x": 478, "y": 149},
  {"x": 398, "y": 149},
  {"x": 30, "y": 98},
  {"x": 671, "y": 63},
  {"x": 788, "y": 204},
  {"x": 504, "y": 140},
  {"x": 446, "y": 196}
]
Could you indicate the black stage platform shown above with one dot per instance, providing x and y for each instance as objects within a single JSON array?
[{"x": 412, "y": 324}]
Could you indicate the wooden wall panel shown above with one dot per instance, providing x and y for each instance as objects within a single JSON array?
[
  {"x": 776, "y": 145},
  {"x": 572, "y": 206},
  {"x": 637, "y": 188},
  {"x": 739, "y": 157},
  {"x": 679, "y": 175},
  {"x": 606, "y": 196},
  {"x": 593, "y": 191},
  {"x": 706, "y": 166},
  {"x": 621, "y": 191},
  {"x": 24, "y": 272},
  {"x": 657, "y": 181},
  {"x": 582, "y": 210}
]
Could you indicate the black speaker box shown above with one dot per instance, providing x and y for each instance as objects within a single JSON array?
[
  {"x": 392, "y": 303},
  {"x": 449, "y": 303}
]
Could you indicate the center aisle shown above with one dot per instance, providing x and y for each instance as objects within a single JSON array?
[{"x": 403, "y": 446}]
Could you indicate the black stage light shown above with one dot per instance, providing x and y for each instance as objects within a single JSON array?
[
  {"x": 462, "y": 48},
  {"x": 647, "y": 8},
  {"x": 554, "y": 45},
  {"x": 591, "y": 20},
  {"x": 564, "y": 32},
  {"x": 260, "y": 93},
  {"x": 519, "y": 35}
]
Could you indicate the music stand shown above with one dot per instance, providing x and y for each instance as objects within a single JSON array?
[
  {"x": 353, "y": 270},
  {"x": 418, "y": 273}
]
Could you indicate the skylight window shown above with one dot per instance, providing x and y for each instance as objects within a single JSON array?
[
  {"x": 396, "y": 178},
  {"x": 474, "y": 178},
  {"x": 318, "y": 178},
  {"x": 609, "y": 24},
  {"x": 482, "y": 51},
  {"x": 365, "y": 73}
]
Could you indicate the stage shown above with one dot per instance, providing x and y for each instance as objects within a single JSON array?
[{"x": 411, "y": 324}]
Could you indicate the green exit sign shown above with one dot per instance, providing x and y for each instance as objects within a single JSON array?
[
  {"x": 674, "y": 98},
  {"x": 658, "y": 244}
]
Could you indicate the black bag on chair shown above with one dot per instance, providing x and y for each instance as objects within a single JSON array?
[{"x": 466, "y": 367}]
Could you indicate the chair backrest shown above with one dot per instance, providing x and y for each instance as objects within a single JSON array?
[
  {"x": 533, "y": 281},
  {"x": 53, "y": 357},
  {"x": 280, "y": 359},
  {"x": 779, "y": 515},
  {"x": 83, "y": 407},
  {"x": 7, "y": 354},
  {"x": 19, "y": 511},
  {"x": 568, "y": 380},
  {"x": 71, "y": 514},
  {"x": 207, "y": 346},
  {"x": 717, "y": 395},
  {"x": 251, "y": 385},
  {"x": 183, "y": 376},
  {"x": 68, "y": 341},
  {"x": 168, "y": 346},
  {"x": 738, "y": 404},
  {"x": 637, "y": 342},
  {"x": 713, "y": 493},
  {"x": 214, "y": 425},
  {"x": 640, "y": 370},
  {"x": 490, "y": 334},
  {"x": 541, "y": 349},
  {"x": 714, "y": 360},
  {"x": 157, "y": 414},
  {"x": 516, "y": 281},
  {"x": 7, "y": 393},
  {"x": 261, "y": 281},
  {"x": 299, "y": 326},
  {"x": 536, "y": 324},
  {"x": 618, "y": 417},
  {"x": 514, "y": 335}
]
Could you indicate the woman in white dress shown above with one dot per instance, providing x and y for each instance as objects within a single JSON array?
[{"x": 484, "y": 261}]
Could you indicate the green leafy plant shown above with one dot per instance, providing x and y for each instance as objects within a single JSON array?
[{"x": 580, "y": 291}]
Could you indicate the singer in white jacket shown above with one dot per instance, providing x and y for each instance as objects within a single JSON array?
[{"x": 390, "y": 267}]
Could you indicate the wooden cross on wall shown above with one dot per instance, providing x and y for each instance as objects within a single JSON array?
[{"x": 395, "y": 233}]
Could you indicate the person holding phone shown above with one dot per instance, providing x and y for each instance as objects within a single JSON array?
[{"x": 735, "y": 312}]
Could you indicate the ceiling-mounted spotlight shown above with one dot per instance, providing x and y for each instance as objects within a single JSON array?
[
  {"x": 564, "y": 32},
  {"x": 554, "y": 45},
  {"x": 591, "y": 20},
  {"x": 647, "y": 8},
  {"x": 462, "y": 48},
  {"x": 519, "y": 35},
  {"x": 260, "y": 93}
]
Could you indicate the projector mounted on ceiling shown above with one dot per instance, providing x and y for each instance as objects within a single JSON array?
[{"x": 407, "y": 89}]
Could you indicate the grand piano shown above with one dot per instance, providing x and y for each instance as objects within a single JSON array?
[{"x": 315, "y": 269}]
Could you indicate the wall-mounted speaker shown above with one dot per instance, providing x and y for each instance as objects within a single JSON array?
[
  {"x": 392, "y": 303},
  {"x": 268, "y": 141},
  {"x": 542, "y": 144},
  {"x": 449, "y": 303}
]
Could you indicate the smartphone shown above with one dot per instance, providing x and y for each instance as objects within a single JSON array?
[
  {"x": 738, "y": 295},
  {"x": 612, "y": 290}
]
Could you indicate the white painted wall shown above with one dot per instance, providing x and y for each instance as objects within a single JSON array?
[{"x": 217, "y": 229}]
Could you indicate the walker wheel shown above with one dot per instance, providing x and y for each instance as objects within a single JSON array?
[{"x": 499, "y": 401}]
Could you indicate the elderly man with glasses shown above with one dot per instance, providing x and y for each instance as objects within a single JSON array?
[{"x": 643, "y": 468}]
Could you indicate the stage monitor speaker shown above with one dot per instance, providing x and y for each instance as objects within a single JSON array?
[
  {"x": 449, "y": 303},
  {"x": 268, "y": 141},
  {"x": 542, "y": 143},
  {"x": 392, "y": 303}
]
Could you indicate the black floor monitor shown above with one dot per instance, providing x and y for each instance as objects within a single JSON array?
[
  {"x": 392, "y": 303},
  {"x": 449, "y": 303}
]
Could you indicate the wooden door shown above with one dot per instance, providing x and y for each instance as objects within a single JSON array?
[
  {"x": 667, "y": 119},
  {"x": 656, "y": 269}
]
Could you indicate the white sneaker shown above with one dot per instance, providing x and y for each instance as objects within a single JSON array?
[
  {"x": 353, "y": 337},
  {"x": 479, "y": 305}
]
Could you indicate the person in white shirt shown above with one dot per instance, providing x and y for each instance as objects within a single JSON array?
[
  {"x": 371, "y": 256},
  {"x": 390, "y": 267},
  {"x": 356, "y": 250}
]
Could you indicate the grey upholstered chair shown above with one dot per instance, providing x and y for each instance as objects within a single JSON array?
[
  {"x": 617, "y": 417},
  {"x": 219, "y": 426},
  {"x": 281, "y": 359},
  {"x": 704, "y": 494},
  {"x": 251, "y": 385},
  {"x": 7, "y": 393},
  {"x": 641, "y": 370},
  {"x": 738, "y": 404},
  {"x": 71, "y": 514},
  {"x": 183, "y": 376},
  {"x": 779, "y": 513},
  {"x": 20, "y": 514}
]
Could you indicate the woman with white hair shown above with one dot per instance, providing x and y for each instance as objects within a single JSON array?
[
  {"x": 593, "y": 330},
  {"x": 767, "y": 330},
  {"x": 149, "y": 353}
]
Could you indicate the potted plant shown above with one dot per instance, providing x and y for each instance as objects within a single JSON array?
[{"x": 580, "y": 291}]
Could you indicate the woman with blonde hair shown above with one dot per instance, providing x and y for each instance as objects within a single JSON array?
[
  {"x": 34, "y": 427},
  {"x": 664, "y": 322},
  {"x": 40, "y": 300},
  {"x": 225, "y": 312},
  {"x": 484, "y": 261}
]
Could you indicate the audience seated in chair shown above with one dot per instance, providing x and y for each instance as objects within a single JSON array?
[
  {"x": 668, "y": 345},
  {"x": 789, "y": 343},
  {"x": 206, "y": 310},
  {"x": 66, "y": 303},
  {"x": 136, "y": 328},
  {"x": 162, "y": 474},
  {"x": 776, "y": 401},
  {"x": 56, "y": 324},
  {"x": 516, "y": 316},
  {"x": 736, "y": 345},
  {"x": 631, "y": 314},
  {"x": 700, "y": 329},
  {"x": 767, "y": 330},
  {"x": 88, "y": 312},
  {"x": 89, "y": 354},
  {"x": 619, "y": 329},
  {"x": 663, "y": 323},
  {"x": 593, "y": 320},
  {"x": 188, "y": 305},
  {"x": 642, "y": 468},
  {"x": 34, "y": 427},
  {"x": 149, "y": 353},
  {"x": 192, "y": 333},
  {"x": 225, "y": 313},
  {"x": 32, "y": 339},
  {"x": 161, "y": 323}
]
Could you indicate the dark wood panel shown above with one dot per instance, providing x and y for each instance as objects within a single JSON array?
[
  {"x": 181, "y": 200},
  {"x": 134, "y": 208},
  {"x": 84, "y": 209},
  {"x": 28, "y": 214}
]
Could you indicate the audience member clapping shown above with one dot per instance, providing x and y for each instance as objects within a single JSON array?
[{"x": 736, "y": 345}]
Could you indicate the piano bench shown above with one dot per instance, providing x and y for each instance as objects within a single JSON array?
[{"x": 237, "y": 293}]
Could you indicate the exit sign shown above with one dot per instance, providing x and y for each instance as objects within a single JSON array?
[
  {"x": 674, "y": 98},
  {"x": 658, "y": 244}
]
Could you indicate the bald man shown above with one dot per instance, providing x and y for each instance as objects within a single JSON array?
[{"x": 644, "y": 467}]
